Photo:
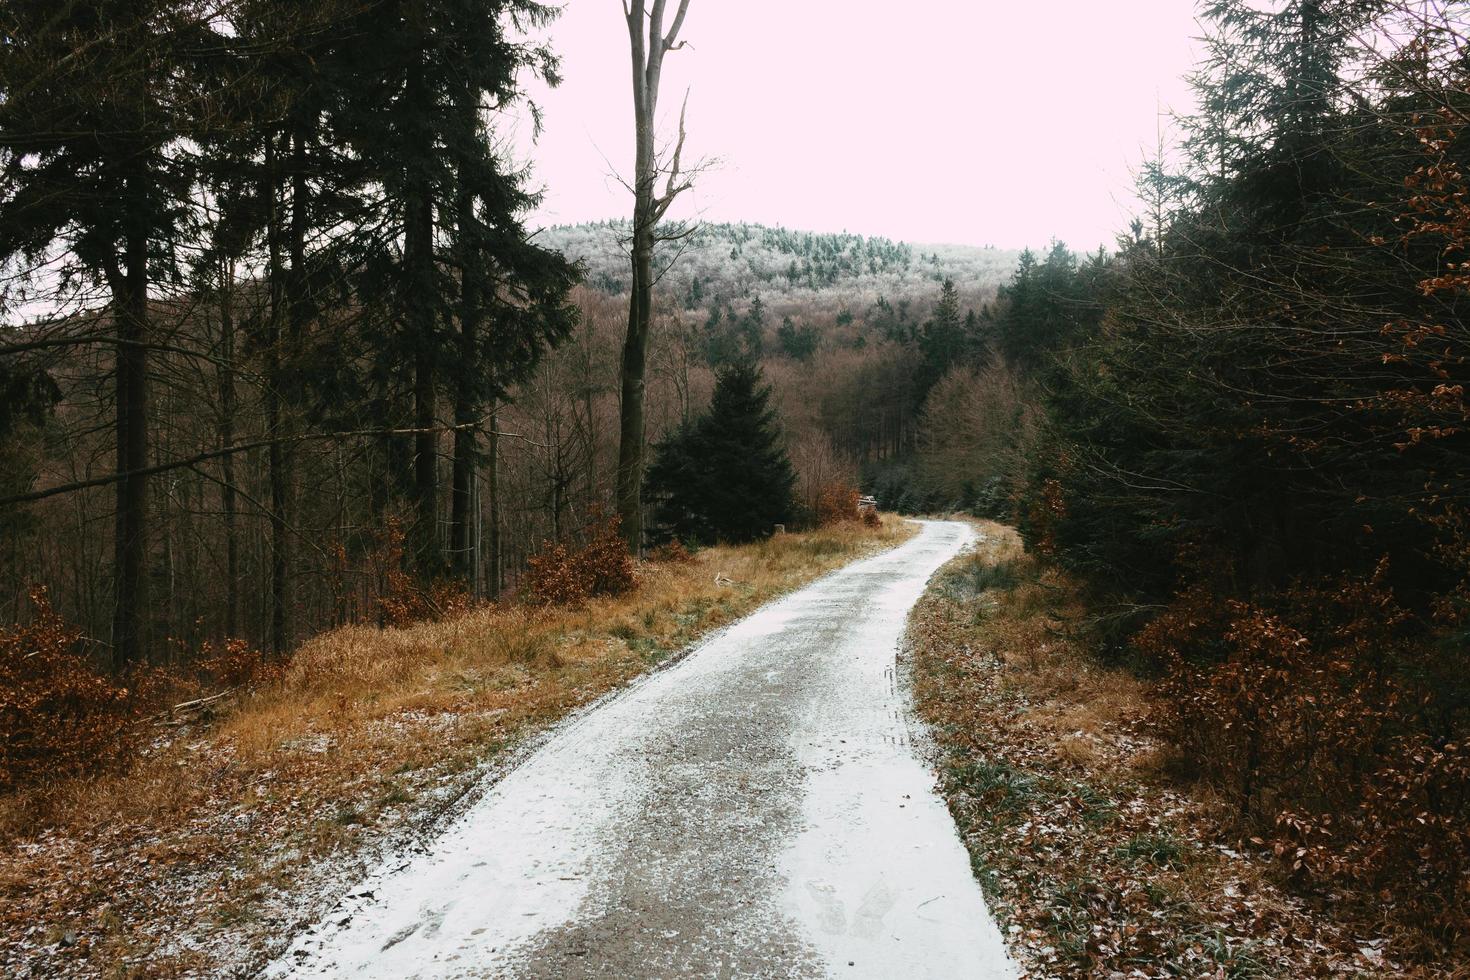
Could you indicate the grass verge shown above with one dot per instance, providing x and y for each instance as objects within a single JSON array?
[
  {"x": 1095, "y": 863},
  {"x": 229, "y": 832}
]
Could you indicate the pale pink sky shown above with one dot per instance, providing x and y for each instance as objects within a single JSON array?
[{"x": 979, "y": 122}]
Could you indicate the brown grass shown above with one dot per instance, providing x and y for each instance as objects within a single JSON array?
[
  {"x": 1095, "y": 861},
  {"x": 366, "y": 731},
  {"x": 1024, "y": 620}
]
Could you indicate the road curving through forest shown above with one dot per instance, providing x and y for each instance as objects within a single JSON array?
[{"x": 758, "y": 809}]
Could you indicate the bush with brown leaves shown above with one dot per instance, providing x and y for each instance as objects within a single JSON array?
[
  {"x": 59, "y": 716},
  {"x": 562, "y": 576},
  {"x": 837, "y": 503},
  {"x": 403, "y": 600},
  {"x": 671, "y": 553},
  {"x": 1321, "y": 719},
  {"x": 238, "y": 664}
]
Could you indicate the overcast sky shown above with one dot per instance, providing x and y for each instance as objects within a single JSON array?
[{"x": 965, "y": 121}]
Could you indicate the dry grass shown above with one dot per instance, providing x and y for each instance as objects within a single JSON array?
[
  {"x": 1096, "y": 864},
  {"x": 369, "y": 734}
]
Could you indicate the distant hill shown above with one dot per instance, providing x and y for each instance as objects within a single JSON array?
[{"x": 727, "y": 263}]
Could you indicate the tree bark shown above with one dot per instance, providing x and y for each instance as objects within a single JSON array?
[
  {"x": 130, "y": 596},
  {"x": 419, "y": 264},
  {"x": 648, "y": 207},
  {"x": 493, "y": 545},
  {"x": 462, "y": 538},
  {"x": 275, "y": 382},
  {"x": 226, "y": 375},
  {"x": 631, "y": 425},
  {"x": 425, "y": 441}
]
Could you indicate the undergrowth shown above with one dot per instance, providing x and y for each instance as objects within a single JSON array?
[
  {"x": 1095, "y": 857},
  {"x": 216, "y": 820}
]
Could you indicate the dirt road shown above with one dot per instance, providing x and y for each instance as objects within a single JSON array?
[{"x": 757, "y": 810}]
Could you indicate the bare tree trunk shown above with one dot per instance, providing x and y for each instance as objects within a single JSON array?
[
  {"x": 462, "y": 539},
  {"x": 419, "y": 262},
  {"x": 226, "y": 374},
  {"x": 648, "y": 208},
  {"x": 274, "y": 382},
  {"x": 461, "y": 542},
  {"x": 425, "y": 441},
  {"x": 493, "y": 549},
  {"x": 635, "y": 359},
  {"x": 130, "y": 294},
  {"x": 589, "y": 389}
]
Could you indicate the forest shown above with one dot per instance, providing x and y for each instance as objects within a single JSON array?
[
  {"x": 281, "y": 353},
  {"x": 1244, "y": 434}
]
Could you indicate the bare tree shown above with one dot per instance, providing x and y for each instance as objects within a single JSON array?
[{"x": 649, "y": 46}]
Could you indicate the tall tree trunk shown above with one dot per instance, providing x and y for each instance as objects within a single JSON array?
[
  {"x": 226, "y": 375},
  {"x": 461, "y": 517},
  {"x": 493, "y": 544},
  {"x": 462, "y": 537},
  {"x": 275, "y": 382},
  {"x": 418, "y": 257},
  {"x": 635, "y": 359},
  {"x": 298, "y": 313},
  {"x": 425, "y": 440},
  {"x": 648, "y": 52},
  {"x": 130, "y": 610}
]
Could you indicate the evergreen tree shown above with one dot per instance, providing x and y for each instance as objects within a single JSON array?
[
  {"x": 1237, "y": 395},
  {"x": 730, "y": 338},
  {"x": 798, "y": 343},
  {"x": 753, "y": 328},
  {"x": 726, "y": 477},
  {"x": 281, "y": 183},
  {"x": 96, "y": 103},
  {"x": 942, "y": 342},
  {"x": 449, "y": 204},
  {"x": 1046, "y": 307}
]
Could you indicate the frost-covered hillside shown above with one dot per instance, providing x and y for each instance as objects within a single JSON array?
[{"x": 726, "y": 262}]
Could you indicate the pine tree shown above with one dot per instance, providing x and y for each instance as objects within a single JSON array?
[
  {"x": 96, "y": 101},
  {"x": 282, "y": 183},
  {"x": 726, "y": 477},
  {"x": 753, "y": 328},
  {"x": 942, "y": 340},
  {"x": 797, "y": 343},
  {"x": 1044, "y": 308},
  {"x": 456, "y": 255},
  {"x": 1231, "y": 394}
]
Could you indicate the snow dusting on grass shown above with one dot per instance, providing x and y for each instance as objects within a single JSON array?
[
  {"x": 1097, "y": 863},
  {"x": 234, "y": 831}
]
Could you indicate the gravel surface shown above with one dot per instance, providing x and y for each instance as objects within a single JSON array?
[{"x": 756, "y": 810}]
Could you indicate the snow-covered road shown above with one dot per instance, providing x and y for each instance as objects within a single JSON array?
[{"x": 756, "y": 810}]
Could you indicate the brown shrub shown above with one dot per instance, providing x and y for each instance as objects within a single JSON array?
[
  {"x": 553, "y": 578},
  {"x": 871, "y": 517},
  {"x": 403, "y": 600},
  {"x": 1315, "y": 718},
  {"x": 59, "y": 717},
  {"x": 407, "y": 602},
  {"x": 1044, "y": 517},
  {"x": 837, "y": 503},
  {"x": 1416, "y": 815},
  {"x": 604, "y": 562},
  {"x": 238, "y": 664},
  {"x": 560, "y": 576},
  {"x": 672, "y": 553}
]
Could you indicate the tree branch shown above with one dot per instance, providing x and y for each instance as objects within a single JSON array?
[
  {"x": 671, "y": 40},
  {"x": 111, "y": 478}
]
